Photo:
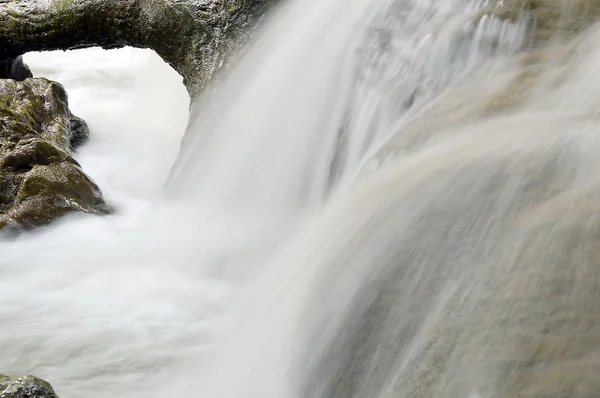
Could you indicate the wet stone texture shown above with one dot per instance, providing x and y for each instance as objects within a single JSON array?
[
  {"x": 25, "y": 387},
  {"x": 39, "y": 179}
]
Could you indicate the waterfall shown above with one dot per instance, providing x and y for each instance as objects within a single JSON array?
[
  {"x": 381, "y": 198},
  {"x": 264, "y": 142}
]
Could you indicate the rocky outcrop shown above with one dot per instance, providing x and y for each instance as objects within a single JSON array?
[
  {"x": 39, "y": 179},
  {"x": 193, "y": 36},
  {"x": 25, "y": 387}
]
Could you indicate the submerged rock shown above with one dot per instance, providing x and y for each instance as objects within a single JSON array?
[
  {"x": 25, "y": 387},
  {"x": 39, "y": 179}
]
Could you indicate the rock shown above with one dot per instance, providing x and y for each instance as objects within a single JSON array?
[
  {"x": 202, "y": 34},
  {"x": 25, "y": 387},
  {"x": 80, "y": 132},
  {"x": 14, "y": 69},
  {"x": 39, "y": 179}
]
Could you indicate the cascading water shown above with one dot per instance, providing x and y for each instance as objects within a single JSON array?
[
  {"x": 379, "y": 200},
  {"x": 346, "y": 72},
  {"x": 263, "y": 142}
]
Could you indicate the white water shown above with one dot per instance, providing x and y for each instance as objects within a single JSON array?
[
  {"x": 94, "y": 299},
  {"x": 253, "y": 278}
]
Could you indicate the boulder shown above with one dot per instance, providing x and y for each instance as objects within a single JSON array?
[
  {"x": 39, "y": 179},
  {"x": 25, "y": 387}
]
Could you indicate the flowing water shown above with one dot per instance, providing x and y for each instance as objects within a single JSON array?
[{"x": 382, "y": 198}]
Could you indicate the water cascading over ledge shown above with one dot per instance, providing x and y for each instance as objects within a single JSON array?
[
  {"x": 465, "y": 267},
  {"x": 209, "y": 28},
  {"x": 41, "y": 181},
  {"x": 357, "y": 76}
]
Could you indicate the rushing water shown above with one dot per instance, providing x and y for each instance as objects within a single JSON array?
[{"x": 383, "y": 198}]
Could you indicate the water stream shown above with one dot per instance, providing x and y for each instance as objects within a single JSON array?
[{"x": 379, "y": 200}]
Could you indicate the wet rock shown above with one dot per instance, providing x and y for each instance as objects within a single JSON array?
[
  {"x": 39, "y": 179},
  {"x": 14, "y": 69},
  {"x": 202, "y": 36},
  {"x": 25, "y": 387},
  {"x": 80, "y": 132}
]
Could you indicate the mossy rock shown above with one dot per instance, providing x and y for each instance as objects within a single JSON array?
[
  {"x": 48, "y": 192},
  {"x": 14, "y": 69},
  {"x": 39, "y": 179},
  {"x": 25, "y": 387},
  {"x": 34, "y": 109}
]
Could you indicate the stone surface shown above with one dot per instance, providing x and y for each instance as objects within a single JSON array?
[
  {"x": 80, "y": 132},
  {"x": 25, "y": 387},
  {"x": 39, "y": 179},
  {"x": 193, "y": 36},
  {"x": 14, "y": 69}
]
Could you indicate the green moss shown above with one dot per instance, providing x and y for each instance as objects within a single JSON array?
[
  {"x": 49, "y": 192},
  {"x": 13, "y": 13},
  {"x": 35, "y": 107},
  {"x": 64, "y": 12}
]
